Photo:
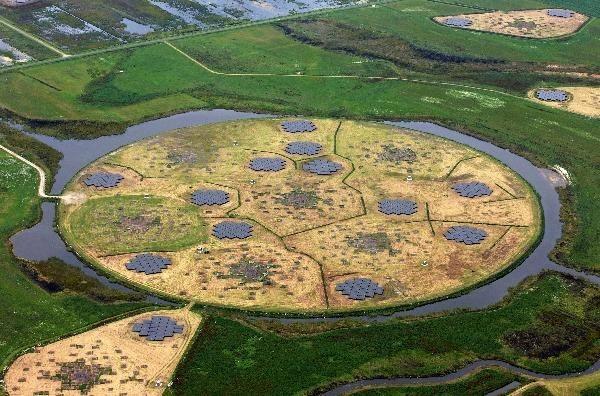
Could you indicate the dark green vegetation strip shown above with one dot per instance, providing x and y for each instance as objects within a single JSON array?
[
  {"x": 55, "y": 275},
  {"x": 481, "y": 383},
  {"x": 230, "y": 357},
  {"x": 536, "y": 390},
  {"x": 28, "y": 314}
]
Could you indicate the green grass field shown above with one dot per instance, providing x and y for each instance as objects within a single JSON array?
[
  {"x": 28, "y": 314},
  {"x": 231, "y": 358}
]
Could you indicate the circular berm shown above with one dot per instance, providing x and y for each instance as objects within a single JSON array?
[
  {"x": 522, "y": 23},
  {"x": 349, "y": 229}
]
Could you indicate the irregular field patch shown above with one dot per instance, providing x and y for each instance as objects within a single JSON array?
[
  {"x": 110, "y": 359},
  {"x": 522, "y": 23},
  {"x": 310, "y": 232},
  {"x": 583, "y": 100}
]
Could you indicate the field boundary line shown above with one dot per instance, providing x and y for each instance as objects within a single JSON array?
[
  {"x": 33, "y": 38},
  {"x": 347, "y": 76},
  {"x": 40, "y": 171}
]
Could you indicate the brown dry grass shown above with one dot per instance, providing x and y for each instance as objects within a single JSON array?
[
  {"x": 302, "y": 242},
  {"x": 136, "y": 364},
  {"x": 523, "y": 23},
  {"x": 583, "y": 100}
]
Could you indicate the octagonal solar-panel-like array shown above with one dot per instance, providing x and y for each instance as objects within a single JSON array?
[
  {"x": 157, "y": 328},
  {"x": 472, "y": 189},
  {"x": 322, "y": 167},
  {"x": 303, "y": 148},
  {"x": 552, "y": 95},
  {"x": 103, "y": 180},
  {"x": 397, "y": 207},
  {"x": 148, "y": 263},
  {"x": 267, "y": 164},
  {"x": 233, "y": 230},
  {"x": 298, "y": 126},
  {"x": 359, "y": 288},
  {"x": 465, "y": 234},
  {"x": 210, "y": 197},
  {"x": 458, "y": 22},
  {"x": 560, "y": 12}
]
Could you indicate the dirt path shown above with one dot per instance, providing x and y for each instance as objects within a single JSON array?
[
  {"x": 33, "y": 38},
  {"x": 40, "y": 171}
]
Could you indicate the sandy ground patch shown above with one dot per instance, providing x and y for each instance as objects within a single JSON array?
[
  {"x": 583, "y": 100},
  {"x": 110, "y": 359},
  {"x": 522, "y": 23}
]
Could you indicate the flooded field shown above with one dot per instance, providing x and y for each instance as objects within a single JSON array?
[
  {"x": 10, "y": 55},
  {"x": 78, "y": 25}
]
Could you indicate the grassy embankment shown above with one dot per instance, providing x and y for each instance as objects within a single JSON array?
[
  {"x": 549, "y": 324},
  {"x": 480, "y": 383},
  {"x": 30, "y": 315}
]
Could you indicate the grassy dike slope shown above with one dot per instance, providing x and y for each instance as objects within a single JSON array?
[{"x": 28, "y": 314}]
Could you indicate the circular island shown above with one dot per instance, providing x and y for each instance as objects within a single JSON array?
[{"x": 300, "y": 215}]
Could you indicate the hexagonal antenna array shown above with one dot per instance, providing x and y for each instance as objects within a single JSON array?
[
  {"x": 397, "y": 207},
  {"x": 359, "y": 288},
  {"x": 560, "y": 12},
  {"x": 465, "y": 234},
  {"x": 458, "y": 22},
  {"x": 298, "y": 126},
  {"x": 267, "y": 164},
  {"x": 103, "y": 180},
  {"x": 157, "y": 328},
  {"x": 303, "y": 148},
  {"x": 322, "y": 167},
  {"x": 552, "y": 95},
  {"x": 233, "y": 230},
  {"x": 209, "y": 197},
  {"x": 472, "y": 189},
  {"x": 148, "y": 263}
]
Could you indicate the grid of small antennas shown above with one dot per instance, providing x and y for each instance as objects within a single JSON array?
[
  {"x": 148, "y": 263},
  {"x": 465, "y": 234},
  {"x": 552, "y": 95},
  {"x": 322, "y": 167},
  {"x": 458, "y": 22},
  {"x": 157, "y": 328},
  {"x": 359, "y": 288},
  {"x": 303, "y": 148},
  {"x": 298, "y": 126},
  {"x": 267, "y": 164},
  {"x": 103, "y": 180},
  {"x": 209, "y": 197},
  {"x": 232, "y": 230},
  {"x": 397, "y": 207},
  {"x": 560, "y": 12},
  {"x": 472, "y": 189}
]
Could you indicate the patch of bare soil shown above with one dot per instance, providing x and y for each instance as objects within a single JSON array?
[
  {"x": 108, "y": 360},
  {"x": 583, "y": 100},
  {"x": 522, "y": 23}
]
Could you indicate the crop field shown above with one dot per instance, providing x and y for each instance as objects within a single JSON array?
[
  {"x": 304, "y": 225},
  {"x": 111, "y": 358}
]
